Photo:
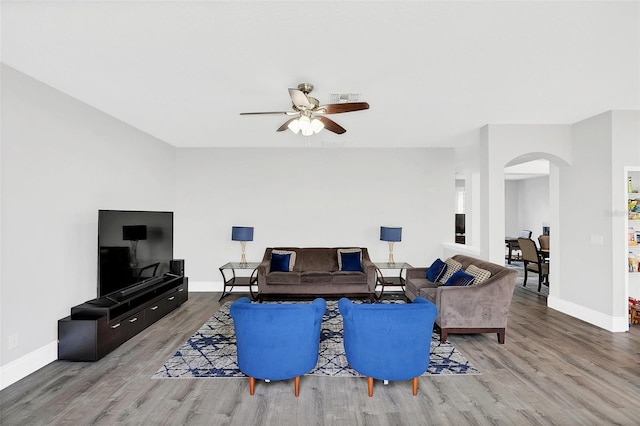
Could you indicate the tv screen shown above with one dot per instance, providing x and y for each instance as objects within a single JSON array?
[
  {"x": 460, "y": 225},
  {"x": 133, "y": 246}
]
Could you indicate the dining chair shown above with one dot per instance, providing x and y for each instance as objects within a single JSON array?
[
  {"x": 543, "y": 240},
  {"x": 533, "y": 262},
  {"x": 512, "y": 245}
]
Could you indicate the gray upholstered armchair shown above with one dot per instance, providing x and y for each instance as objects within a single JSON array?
[{"x": 478, "y": 308}]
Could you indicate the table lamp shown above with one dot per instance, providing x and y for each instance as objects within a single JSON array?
[
  {"x": 242, "y": 234},
  {"x": 391, "y": 235}
]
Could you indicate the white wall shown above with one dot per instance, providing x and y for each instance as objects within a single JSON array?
[
  {"x": 526, "y": 205},
  {"x": 311, "y": 197},
  {"x": 61, "y": 162},
  {"x": 533, "y": 204},
  {"x": 512, "y": 226},
  {"x": 593, "y": 256}
]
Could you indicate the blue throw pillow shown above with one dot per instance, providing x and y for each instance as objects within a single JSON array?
[
  {"x": 436, "y": 270},
  {"x": 280, "y": 262},
  {"x": 351, "y": 261},
  {"x": 460, "y": 278}
]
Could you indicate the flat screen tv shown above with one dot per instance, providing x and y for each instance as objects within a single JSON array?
[
  {"x": 460, "y": 223},
  {"x": 134, "y": 247}
]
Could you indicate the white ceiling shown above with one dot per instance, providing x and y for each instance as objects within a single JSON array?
[{"x": 433, "y": 72}]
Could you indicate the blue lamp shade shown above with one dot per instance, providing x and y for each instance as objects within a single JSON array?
[
  {"x": 242, "y": 233},
  {"x": 390, "y": 233}
]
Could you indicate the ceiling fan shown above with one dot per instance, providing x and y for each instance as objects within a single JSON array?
[{"x": 308, "y": 116}]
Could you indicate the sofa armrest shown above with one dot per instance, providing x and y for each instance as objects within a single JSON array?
[
  {"x": 483, "y": 305},
  {"x": 420, "y": 272},
  {"x": 369, "y": 269},
  {"x": 263, "y": 269}
]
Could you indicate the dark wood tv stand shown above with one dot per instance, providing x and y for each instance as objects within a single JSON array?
[{"x": 98, "y": 326}]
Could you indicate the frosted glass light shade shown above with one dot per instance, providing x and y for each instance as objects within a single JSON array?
[
  {"x": 294, "y": 126},
  {"x": 305, "y": 123},
  {"x": 316, "y": 125}
]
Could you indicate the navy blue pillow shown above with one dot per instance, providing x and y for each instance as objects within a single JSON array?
[
  {"x": 436, "y": 270},
  {"x": 351, "y": 261},
  {"x": 280, "y": 262},
  {"x": 460, "y": 278}
]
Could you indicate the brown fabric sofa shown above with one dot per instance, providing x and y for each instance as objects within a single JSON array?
[
  {"x": 316, "y": 273},
  {"x": 478, "y": 308}
]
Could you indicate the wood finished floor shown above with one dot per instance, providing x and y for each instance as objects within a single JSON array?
[{"x": 553, "y": 370}]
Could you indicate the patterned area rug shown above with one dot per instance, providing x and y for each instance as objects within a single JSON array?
[{"x": 211, "y": 351}]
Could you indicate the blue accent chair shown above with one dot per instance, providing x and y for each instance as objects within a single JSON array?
[
  {"x": 277, "y": 341},
  {"x": 388, "y": 341}
]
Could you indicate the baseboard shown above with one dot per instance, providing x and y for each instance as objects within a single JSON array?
[
  {"x": 30, "y": 363},
  {"x": 607, "y": 322}
]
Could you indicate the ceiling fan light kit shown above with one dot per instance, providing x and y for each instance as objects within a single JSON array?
[
  {"x": 309, "y": 116},
  {"x": 305, "y": 125}
]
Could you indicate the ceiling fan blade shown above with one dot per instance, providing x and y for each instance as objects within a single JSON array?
[
  {"x": 331, "y": 125},
  {"x": 299, "y": 99},
  {"x": 266, "y": 112},
  {"x": 344, "y": 107},
  {"x": 285, "y": 126}
]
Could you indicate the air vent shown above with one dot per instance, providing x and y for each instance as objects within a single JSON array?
[{"x": 337, "y": 98}]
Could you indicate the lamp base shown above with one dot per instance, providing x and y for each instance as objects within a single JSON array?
[
  {"x": 243, "y": 258},
  {"x": 391, "y": 262},
  {"x": 133, "y": 260}
]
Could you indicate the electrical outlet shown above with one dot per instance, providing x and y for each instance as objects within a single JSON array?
[{"x": 14, "y": 340}]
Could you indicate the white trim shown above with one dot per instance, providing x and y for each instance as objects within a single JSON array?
[
  {"x": 607, "y": 322},
  {"x": 31, "y": 362}
]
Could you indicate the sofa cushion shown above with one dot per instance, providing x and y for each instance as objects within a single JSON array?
[
  {"x": 315, "y": 277},
  {"x": 349, "y": 277},
  {"x": 414, "y": 285},
  {"x": 350, "y": 261},
  {"x": 277, "y": 278},
  {"x": 460, "y": 278},
  {"x": 452, "y": 267},
  {"x": 348, "y": 251},
  {"x": 280, "y": 262},
  {"x": 436, "y": 270},
  {"x": 480, "y": 275},
  {"x": 292, "y": 257},
  {"x": 429, "y": 293},
  {"x": 317, "y": 259}
]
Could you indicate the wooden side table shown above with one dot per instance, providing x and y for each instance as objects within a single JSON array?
[
  {"x": 239, "y": 281},
  {"x": 390, "y": 281}
]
